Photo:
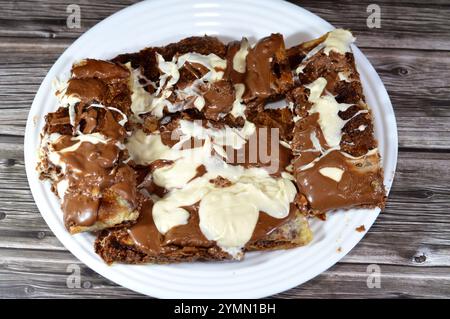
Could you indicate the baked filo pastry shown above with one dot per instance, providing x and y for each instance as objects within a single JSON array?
[{"x": 182, "y": 152}]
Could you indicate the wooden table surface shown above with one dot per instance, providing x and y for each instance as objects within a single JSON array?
[{"x": 410, "y": 241}]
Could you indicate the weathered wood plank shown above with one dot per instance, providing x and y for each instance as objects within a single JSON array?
[
  {"x": 44, "y": 274},
  {"x": 403, "y": 23},
  {"x": 350, "y": 281},
  {"x": 11, "y": 147},
  {"x": 410, "y": 241},
  {"x": 417, "y": 81},
  {"x": 13, "y": 121},
  {"x": 23, "y": 66}
]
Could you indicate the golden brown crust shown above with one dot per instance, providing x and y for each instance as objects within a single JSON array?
[
  {"x": 298, "y": 52},
  {"x": 357, "y": 134},
  {"x": 280, "y": 119},
  {"x": 146, "y": 59},
  {"x": 117, "y": 246}
]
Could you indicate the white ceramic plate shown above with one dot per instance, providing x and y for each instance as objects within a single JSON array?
[{"x": 160, "y": 22}]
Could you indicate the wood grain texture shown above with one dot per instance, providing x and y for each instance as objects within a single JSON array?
[
  {"x": 403, "y": 23},
  {"x": 410, "y": 241}
]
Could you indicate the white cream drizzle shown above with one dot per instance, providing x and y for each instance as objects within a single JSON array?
[
  {"x": 239, "y": 59},
  {"x": 140, "y": 98},
  {"x": 54, "y": 156},
  {"x": 328, "y": 109},
  {"x": 69, "y": 101},
  {"x": 316, "y": 143},
  {"x": 144, "y": 149},
  {"x": 124, "y": 116},
  {"x": 143, "y": 102},
  {"x": 333, "y": 173},
  {"x": 338, "y": 40},
  {"x": 228, "y": 136},
  {"x": 285, "y": 144},
  {"x": 238, "y": 107},
  {"x": 212, "y": 62},
  {"x": 193, "y": 91},
  {"x": 171, "y": 75},
  {"x": 227, "y": 215}
]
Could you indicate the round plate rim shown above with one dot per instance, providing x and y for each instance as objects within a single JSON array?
[{"x": 105, "y": 270}]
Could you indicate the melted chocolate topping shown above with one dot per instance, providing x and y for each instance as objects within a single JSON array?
[
  {"x": 80, "y": 209},
  {"x": 109, "y": 127},
  {"x": 219, "y": 98},
  {"x": 266, "y": 66},
  {"x": 144, "y": 233},
  {"x": 189, "y": 234},
  {"x": 87, "y": 90},
  {"x": 230, "y": 73},
  {"x": 99, "y": 69},
  {"x": 90, "y": 170},
  {"x": 262, "y": 152},
  {"x": 358, "y": 185},
  {"x": 146, "y": 236},
  {"x": 94, "y": 176},
  {"x": 267, "y": 224},
  {"x": 302, "y": 144}
]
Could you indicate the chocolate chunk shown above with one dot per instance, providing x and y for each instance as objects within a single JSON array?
[
  {"x": 219, "y": 97},
  {"x": 268, "y": 73}
]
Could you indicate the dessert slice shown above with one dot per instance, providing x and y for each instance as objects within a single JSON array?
[
  {"x": 97, "y": 191},
  {"x": 184, "y": 75},
  {"x": 95, "y": 81},
  {"x": 206, "y": 197},
  {"x": 175, "y": 155},
  {"x": 82, "y": 149},
  {"x": 336, "y": 164},
  {"x": 142, "y": 243}
]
